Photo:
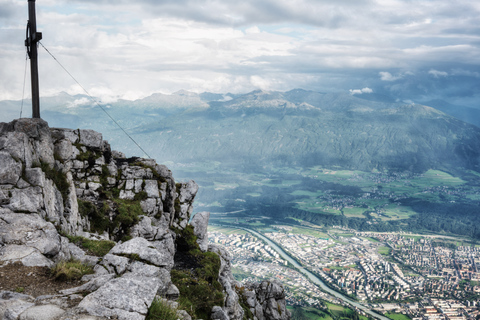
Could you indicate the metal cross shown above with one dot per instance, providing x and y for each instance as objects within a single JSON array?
[{"x": 31, "y": 43}]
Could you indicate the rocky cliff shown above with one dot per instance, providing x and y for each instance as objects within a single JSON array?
[{"x": 64, "y": 194}]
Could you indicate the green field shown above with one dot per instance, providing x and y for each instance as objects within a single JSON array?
[
  {"x": 335, "y": 311},
  {"x": 239, "y": 274},
  {"x": 374, "y": 196},
  {"x": 309, "y": 232},
  {"x": 384, "y": 251},
  {"x": 225, "y": 230},
  {"x": 413, "y": 186},
  {"x": 341, "y": 312},
  {"x": 308, "y": 313},
  {"x": 397, "y": 316}
]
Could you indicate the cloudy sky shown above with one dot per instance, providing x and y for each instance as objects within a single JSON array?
[{"x": 416, "y": 50}]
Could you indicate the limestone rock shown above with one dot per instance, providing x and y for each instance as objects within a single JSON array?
[
  {"x": 183, "y": 315},
  {"x": 187, "y": 191},
  {"x": 91, "y": 139},
  {"x": 151, "y": 188},
  {"x": 231, "y": 306},
  {"x": 26, "y": 200},
  {"x": 149, "y": 206},
  {"x": 64, "y": 149},
  {"x": 183, "y": 207},
  {"x": 172, "y": 293},
  {"x": 28, "y": 256},
  {"x": 128, "y": 297},
  {"x": 146, "y": 229},
  {"x": 114, "y": 264},
  {"x": 133, "y": 273},
  {"x": 45, "y": 312},
  {"x": 35, "y": 176},
  {"x": 270, "y": 301},
  {"x": 118, "y": 154},
  {"x": 10, "y": 170},
  {"x": 146, "y": 251},
  {"x": 28, "y": 230},
  {"x": 71, "y": 251},
  {"x": 12, "y": 304},
  {"x": 218, "y": 314},
  {"x": 91, "y": 285},
  {"x": 53, "y": 203},
  {"x": 200, "y": 225}
]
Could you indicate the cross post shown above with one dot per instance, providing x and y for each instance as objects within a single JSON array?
[{"x": 31, "y": 43}]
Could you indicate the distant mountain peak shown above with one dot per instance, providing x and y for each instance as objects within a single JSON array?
[{"x": 185, "y": 93}]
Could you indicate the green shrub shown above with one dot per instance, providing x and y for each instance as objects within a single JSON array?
[
  {"x": 159, "y": 310},
  {"x": 88, "y": 155},
  {"x": 197, "y": 295},
  {"x": 142, "y": 195},
  {"x": 128, "y": 213},
  {"x": 19, "y": 289},
  {"x": 99, "y": 219},
  {"x": 97, "y": 248},
  {"x": 104, "y": 177},
  {"x": 70, "y": 270},
  {"x": 197, "y": 279},
  {"x": 58, "y": 177}
]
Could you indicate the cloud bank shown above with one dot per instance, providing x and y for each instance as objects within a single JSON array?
[{"x": 130, "y": 49}]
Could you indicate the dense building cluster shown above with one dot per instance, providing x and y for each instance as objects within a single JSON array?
[
  {"x": 252, "y": 260},
  {"x": 421, "y": 277}
]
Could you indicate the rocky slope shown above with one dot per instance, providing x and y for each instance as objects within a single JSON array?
[{"x": 60, "y": 185}]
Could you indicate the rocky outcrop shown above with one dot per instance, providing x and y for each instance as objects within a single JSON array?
[
  {"x": 58, "y": 184},
  {"x": 266, "y": 300},
  {"x": 200, "y": 225}
]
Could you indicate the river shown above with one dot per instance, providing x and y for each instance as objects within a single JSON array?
[{"x": 312, "y": 277}]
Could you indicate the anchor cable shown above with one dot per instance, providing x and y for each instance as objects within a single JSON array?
[
  {"x": 24, "y": 83},
  {"x": 95, "y": 101}
]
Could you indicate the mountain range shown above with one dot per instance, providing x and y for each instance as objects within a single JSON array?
[{"x": 297, "y": 127}]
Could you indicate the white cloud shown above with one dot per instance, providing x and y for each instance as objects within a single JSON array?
[
  {"x": 438, "y": 74},
  {"x": 387, "y": 76},
  {"x": 135, "y": 48},
  {"x": 360, "y": 91},
  {"x": 79, "y": 102},
  {"x": 254, "y": 29}
]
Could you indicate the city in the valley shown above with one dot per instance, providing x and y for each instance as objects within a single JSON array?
[{"x": 394, "y": 274}]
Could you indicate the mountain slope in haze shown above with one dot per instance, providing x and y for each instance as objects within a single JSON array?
[
  {"x": 308, "y": 128},
  {"x": 297, "y": 127},
  {"x": 469, "y": 115}
]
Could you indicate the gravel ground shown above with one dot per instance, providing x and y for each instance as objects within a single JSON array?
[{"x": 34, "y": 281}]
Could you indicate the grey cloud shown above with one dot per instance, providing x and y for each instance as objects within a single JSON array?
[
  {"x": 7, "y": 10},
  {"x": 241, "y": 13},
  {"x": 475, "y": 31}
]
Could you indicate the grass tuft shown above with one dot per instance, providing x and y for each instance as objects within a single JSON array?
[
  {"x": 160, "y": 310},
  {"x": 70, "y": 270},
  {"x": 97, "y": 248}
]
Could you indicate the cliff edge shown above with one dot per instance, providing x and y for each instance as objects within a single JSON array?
[{"x": 120, "y": 226}]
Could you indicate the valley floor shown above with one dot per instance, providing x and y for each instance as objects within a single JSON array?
[{"x": 418, "y": 276}]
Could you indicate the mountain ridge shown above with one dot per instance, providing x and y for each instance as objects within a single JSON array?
[{"x": 330, "y": 127}]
